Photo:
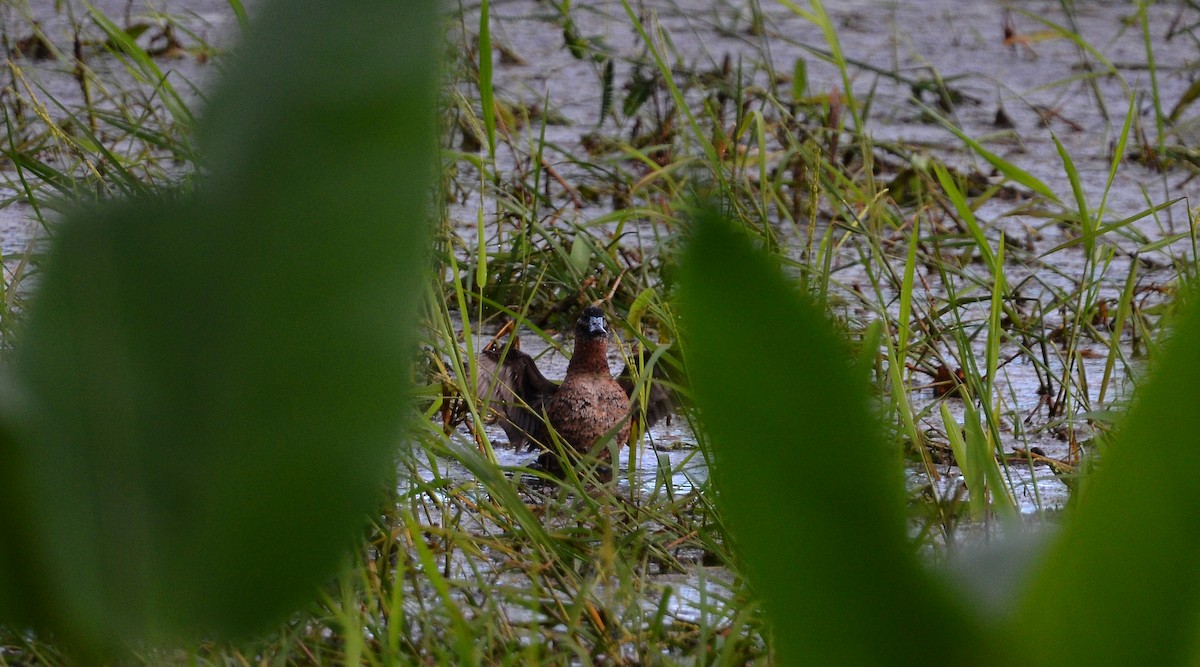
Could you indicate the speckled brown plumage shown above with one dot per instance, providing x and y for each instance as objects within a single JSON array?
[{"x": 588, "y": 404}]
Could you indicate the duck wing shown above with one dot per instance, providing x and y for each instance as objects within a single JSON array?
[
  {"x": 661, "y": 400},
  {"x": 511, "y": 385}
]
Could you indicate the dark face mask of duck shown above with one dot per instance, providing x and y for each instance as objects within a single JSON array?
[{"x": 591, "y": 324}]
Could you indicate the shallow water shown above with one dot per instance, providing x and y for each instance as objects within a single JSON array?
[
  {"x": 1038, "y": 84},
  {"x": 46, "y": 82}
]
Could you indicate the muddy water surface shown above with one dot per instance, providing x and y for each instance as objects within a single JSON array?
[
  {"x": 1038, "y": 82},
  {"x": 46, "y": 87}
]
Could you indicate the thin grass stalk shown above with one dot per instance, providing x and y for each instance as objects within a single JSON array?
[
  {"x": 1072, "y": 34},
  {"x": 1010, "y": 171},
  {"x": 903, "y": 328},
  {"x": 239, "y": 12},
  {"x": 142, "y": 67},
  {"x": 967, "y": 216},
  {"x": 995, "y": 332},
  {"x": 905, "y": 411},
  {"x": 471, "y": 369},
  {"x": 1088, "y": 223},
  {"x": 990, "y": 446},
  {"x": 26, "y": 186},
  {"x": 1119, "y": 151},
  {"x": 1085, "y": 293},
  {"x": 1156, "y": 96},
  {"x": 664, "y": 69},
  {"x": 760, "y": 131},
  {"x": 820, "y": 18}
]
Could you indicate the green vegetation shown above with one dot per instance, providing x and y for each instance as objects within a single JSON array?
[{"x": 245, "y": 323}]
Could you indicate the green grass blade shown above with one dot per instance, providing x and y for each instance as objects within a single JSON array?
[
  {"x": 799, "y": 80},
  {"x": 995, "y": 330},
  {"x": 668, "y": 75},
  {"x": 868, "y": 355},
  {"x": 1118, "y": 224},
  {"x": 904, "y": 329},
  {"x": 142, "y": 64},
  {"x": 486, "y": 92},
  {"x": 1087, "y": 222},
  {"x": 956, "y": 197},
  {"x": 967, "y": 462},
  {"x": 1124, "y": 305},
  {"x": 1155, "y": 93},
  {"x": 822, "y": 19},
  {"x": 1011, "y": 171},
  {"x": 239, "y": 11},
  {"x": 903, "y": 407},
  {"x": 989, "y": 480},
  {"x": 982, "y": 449},
  {"x": 1185, "y": 100},
  {"x": 1118, "y": 156}
]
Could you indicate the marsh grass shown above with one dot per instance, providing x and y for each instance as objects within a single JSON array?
[
  {"x": 469, "y": 561},
  {"x": 74, "y": 132}
]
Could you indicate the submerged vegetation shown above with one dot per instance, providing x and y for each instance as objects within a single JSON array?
[{"x": 1002, "y": 279}]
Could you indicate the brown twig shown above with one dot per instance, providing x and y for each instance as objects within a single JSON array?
[{"x": 575, "y": 198}]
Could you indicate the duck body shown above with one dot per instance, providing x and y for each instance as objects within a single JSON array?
[{"x": 589, "y": 403}]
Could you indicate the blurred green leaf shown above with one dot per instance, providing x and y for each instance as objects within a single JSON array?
[
  {"x": 812, "y": 494},
  {"x": 581, "y": 254},
  {"x": 799, "y": 80},
  {"x": 209, "y": 391},
  {"x": 1123, "y": 575},
  {"x": 486, "y": 98},
  {"x": 239, "y": 10}
]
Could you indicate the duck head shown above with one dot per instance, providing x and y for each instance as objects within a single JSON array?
[{"x": 591, "y": 325}]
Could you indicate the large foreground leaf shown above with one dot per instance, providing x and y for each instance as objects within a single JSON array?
[
  {"x": 1122, "y": 584},
  {"x": 812, "y": 495},
  {"x": 209, "y": 390}
]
